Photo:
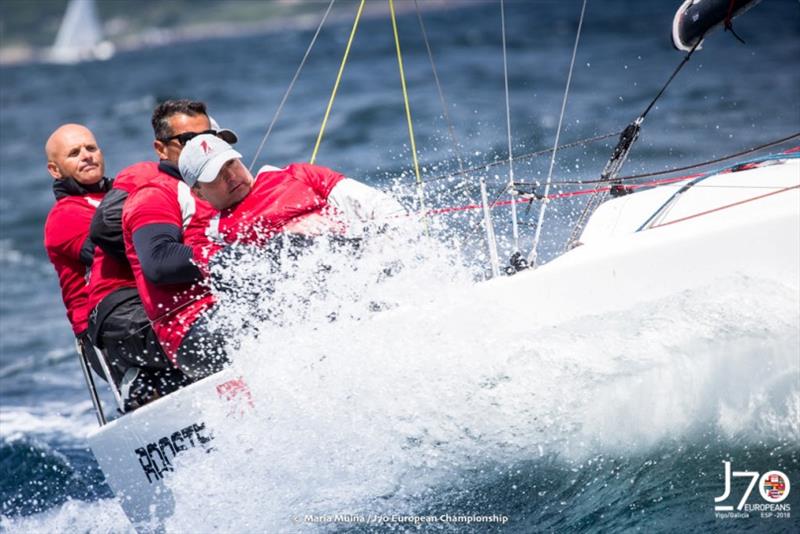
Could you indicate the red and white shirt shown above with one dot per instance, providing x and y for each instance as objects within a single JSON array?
[
  {"x": 172, "y": 308},
  {"x": 279, "y": 197}
]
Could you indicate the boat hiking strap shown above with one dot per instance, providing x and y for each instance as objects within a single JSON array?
[
  {"x": 338, "y": 80},
  {"x": 291, "y": 86},
  {"x": 532, "y": 256},
  {"x": 420, "y": 196}
]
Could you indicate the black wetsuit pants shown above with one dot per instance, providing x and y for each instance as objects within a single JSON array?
[
  {"x": 121, "y": 329},
  {"x": 203, "y": 349}
]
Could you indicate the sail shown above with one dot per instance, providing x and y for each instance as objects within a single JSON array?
[{"x": 80, "y": 36}]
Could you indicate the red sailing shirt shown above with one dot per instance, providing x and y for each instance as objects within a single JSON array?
[
  {"x": 65, "y": 232},
  {"x": 278, "y": 197},
  {"x": 172, "y": 308},
  {"x": 108, "y": 273}
]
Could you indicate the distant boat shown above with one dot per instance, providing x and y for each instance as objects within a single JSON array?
[{"x": 80, "y": 37}]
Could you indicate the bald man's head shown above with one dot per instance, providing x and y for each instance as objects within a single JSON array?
[{"x": 72, "y": 152}]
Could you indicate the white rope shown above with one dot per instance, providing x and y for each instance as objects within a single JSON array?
[
  {"x": 532, "y": 257},
  {"x": 291, "y": 85},
  {"x": 511, "y": 188}
]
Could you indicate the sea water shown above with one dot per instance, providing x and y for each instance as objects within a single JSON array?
[{"x": 418, "y": 393}]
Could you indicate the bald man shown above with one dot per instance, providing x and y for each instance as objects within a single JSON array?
[{"x": 76, "y": 164}]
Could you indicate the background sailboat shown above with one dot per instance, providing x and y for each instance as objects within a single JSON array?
[{"x": 80, "y": 37}]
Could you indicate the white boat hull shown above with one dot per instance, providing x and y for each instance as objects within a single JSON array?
[
  {"x": 138, "y": 450},
  {"x": 635, "y": 248}
]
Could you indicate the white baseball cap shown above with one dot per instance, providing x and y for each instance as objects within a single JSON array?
[
  {"x": 203, "y": 157},
  {"x": 229, "y": 136}
]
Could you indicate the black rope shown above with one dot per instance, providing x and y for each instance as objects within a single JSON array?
[
  {"x": 587, "y": 140},
  {"x": 528, "y": 155},
  {"x": 620, "y": 155},
  {"x": 681, "y": 169},
  {"x": 674, "y": 73}
]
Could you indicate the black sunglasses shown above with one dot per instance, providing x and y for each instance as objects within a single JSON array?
[{"x": 185, "y": 137}]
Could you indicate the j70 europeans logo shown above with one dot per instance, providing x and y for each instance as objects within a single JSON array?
[{"x": 774, "y": 487}]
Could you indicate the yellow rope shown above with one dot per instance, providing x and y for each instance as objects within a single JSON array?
[
  {"x": 338, "y": 79},
  {"x": 408, "y": 110}
]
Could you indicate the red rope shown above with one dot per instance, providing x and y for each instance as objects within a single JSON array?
[
  {"x": 728, "y": 24},
  {"x": 468, "y": 207},
  {"x": 653, "y": 183},
  {"x": 726, "y": 206}
]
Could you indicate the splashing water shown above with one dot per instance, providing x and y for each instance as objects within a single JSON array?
[{"x": 383, "y": 393}]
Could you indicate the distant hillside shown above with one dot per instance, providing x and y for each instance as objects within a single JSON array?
[
  {"x": 35, "y": 22},
  {"x": 27, "y": 26}
]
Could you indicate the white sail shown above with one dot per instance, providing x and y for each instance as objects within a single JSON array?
[{"x": 80, "y": 36}]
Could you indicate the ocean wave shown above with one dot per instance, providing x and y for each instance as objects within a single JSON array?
[
  {"x": 73, "y": 421},
  {"x": 380, "y": 410},
  {"x": 11, "y": 257},
  {"x": 103, "y": 516}
]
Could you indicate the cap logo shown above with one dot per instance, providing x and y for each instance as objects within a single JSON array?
[{"x": 205, "y": 147}]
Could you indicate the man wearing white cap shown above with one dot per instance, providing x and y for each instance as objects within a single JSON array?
[
  {"x": 301, "y": 198},
  {"x": 118, "y": 324}
]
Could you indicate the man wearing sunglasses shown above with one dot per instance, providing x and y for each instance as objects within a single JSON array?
[
  {"x": 155, "y": 219},
  {"x": 120, "y": 324}
]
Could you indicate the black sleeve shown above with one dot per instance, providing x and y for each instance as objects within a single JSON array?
[
  {"x": 87, "y": 252},
  {"x": 106, "y": 227},
  {"x": 162, "y": 255}
]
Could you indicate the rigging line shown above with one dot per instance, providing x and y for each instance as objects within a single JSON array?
[
  {"x": 726, "y": 206},
  {"x": 291, "y": 86},
  {"x": 338, "y": 80},
  {"x": 526, "y": 156},
  {"x": 532, "y": 257},
  {"x": 669, "y": 81},
  {"x": 471, "y": 207},
  {"x": 621, "y": 178},
  {"x": 620, "y": 154},
  {"x": 561, "y": 195},
  {"x": 491, "y": 239},
  {"x": 408, "y": 111},
  {"x": 451, "y": 130},
  {"x": 688, "y": 167},
  {"x": 513, "y": 190},
  {"x": 491, "y": 206}
]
